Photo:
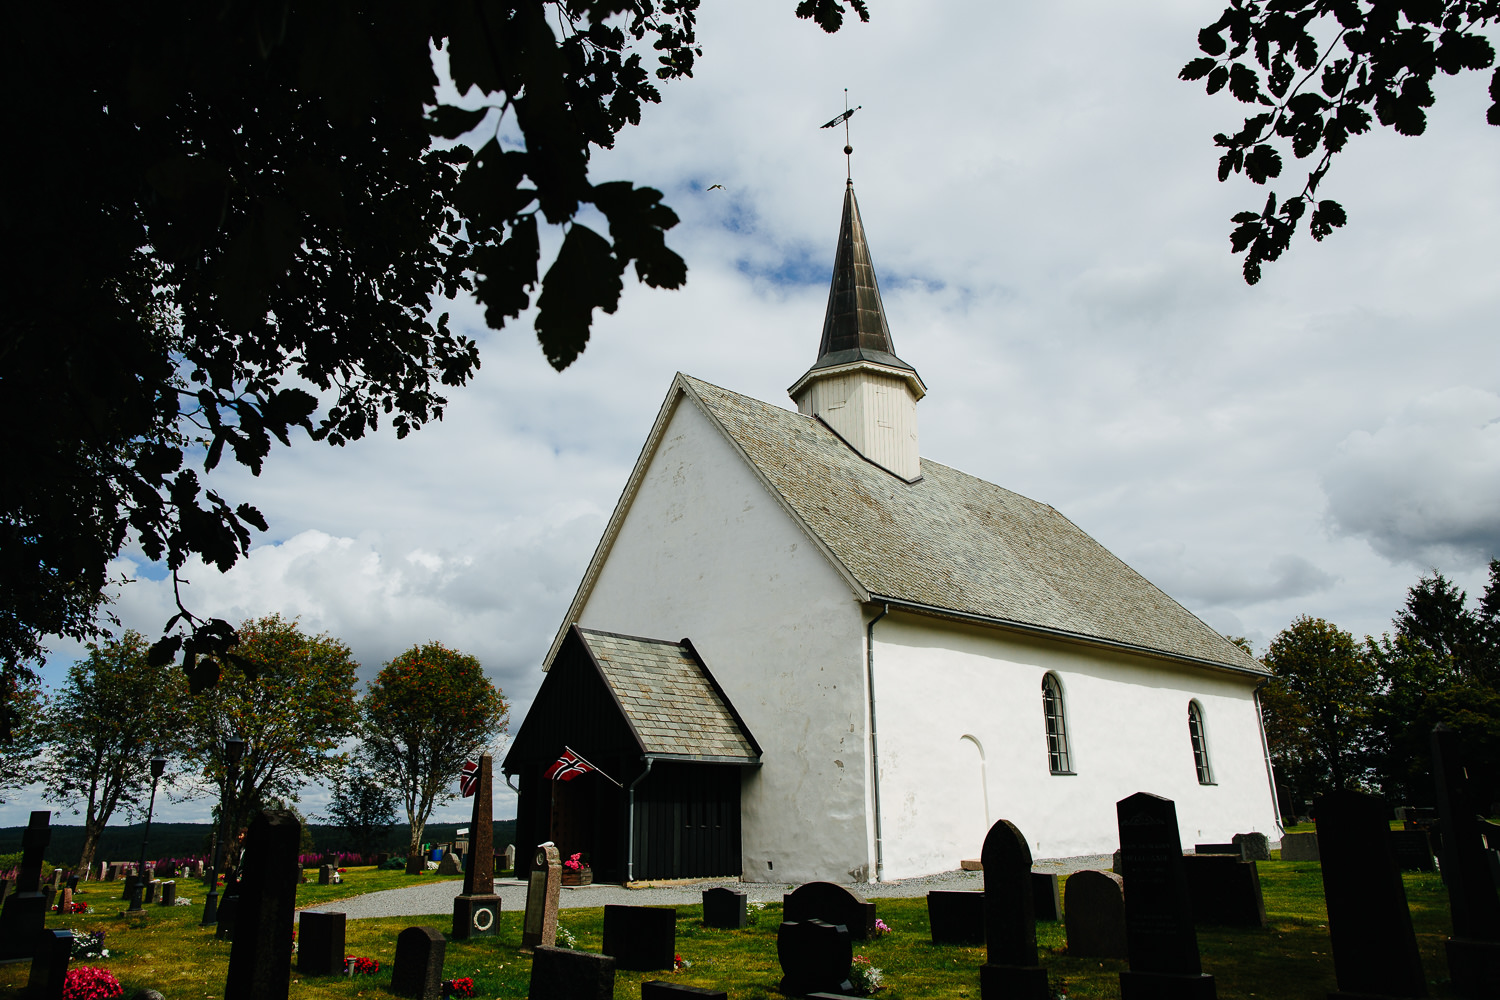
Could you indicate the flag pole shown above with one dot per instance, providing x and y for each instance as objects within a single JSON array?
[{"x": 590, "y": 763}]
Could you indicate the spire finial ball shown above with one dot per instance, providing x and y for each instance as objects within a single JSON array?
[{"x": 848, "y": 150}]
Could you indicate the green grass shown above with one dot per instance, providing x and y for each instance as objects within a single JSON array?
[{"x": 1288, "y": 959}]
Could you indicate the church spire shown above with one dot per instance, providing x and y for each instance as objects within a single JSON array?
[{"x": 858, "y": 386}]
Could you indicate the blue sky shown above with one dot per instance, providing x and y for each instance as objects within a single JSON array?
[{"x": 1040, "y": 197}]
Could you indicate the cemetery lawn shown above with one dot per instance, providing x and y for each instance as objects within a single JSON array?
[{"x": 1289, "y": 959}]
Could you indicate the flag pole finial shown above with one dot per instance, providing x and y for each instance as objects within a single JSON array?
[{"x": 843, "y": 119}]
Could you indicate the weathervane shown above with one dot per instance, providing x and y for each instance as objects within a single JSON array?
[{"x": 848, "y": 149}]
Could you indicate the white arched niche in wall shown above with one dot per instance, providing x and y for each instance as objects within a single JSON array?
[{"x": 984, "y": 785}]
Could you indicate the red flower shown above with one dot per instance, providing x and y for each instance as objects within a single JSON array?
[
  {"x": 463, "y": 987},
  {"x": 89, "y": 983}
]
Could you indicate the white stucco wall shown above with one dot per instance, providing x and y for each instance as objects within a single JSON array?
[
  {"x": 706, "y": 553},
  {"x": 936, "y": 681}
]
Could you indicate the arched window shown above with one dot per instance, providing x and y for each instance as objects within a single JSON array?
[
  {"x": 1200, "y": 745},
  {"x": 1058, "y": 759}
]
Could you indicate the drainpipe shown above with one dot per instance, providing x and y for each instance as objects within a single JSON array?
[
  {"x": 874, "y": 741},
  {"x": 630, "y": 824},
  {"x": 1265, "y": 747}
]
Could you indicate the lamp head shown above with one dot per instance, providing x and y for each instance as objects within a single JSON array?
[
  {"x": 234, "y": 750},
  {"x": 158, "y": 766}
]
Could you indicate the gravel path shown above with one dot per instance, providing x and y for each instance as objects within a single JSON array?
[{"x": 437, "y": 897}]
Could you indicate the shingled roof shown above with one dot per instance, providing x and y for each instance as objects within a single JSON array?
[
  {"x": 670, "y": 699},
  {"x": 950, "y": 542}
]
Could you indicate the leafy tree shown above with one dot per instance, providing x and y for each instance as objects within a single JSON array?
[
  {"x": 1316, "y": 70},
  {"x": 1317, "y": 706},
  {"x": 361, "y": 808},
  {"x": 115, "y": 712},
  {"x": 1440, "y": 664},
  {"x": 291, "y": 698},
  {"x": 429, "y": 710},
  {"x": 23, "y": 705},
  {"x": 258, "y": 207}
]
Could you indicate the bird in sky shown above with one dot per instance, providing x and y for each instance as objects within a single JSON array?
[
  {"x": 842, "y": 118},
  {"x": 720, "y": 187}
]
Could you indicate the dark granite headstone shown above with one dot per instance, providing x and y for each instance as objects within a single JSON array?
[
  {"x": 1369, "y": 925},
  {"x": 723, "y": 907},
  {"x": 564, "y": 974},
  {"x": 1253, "y": 846},
  {"x": 168, "y": 895},
  {"x": 1412, "y": 850},
  {"x": 49, "y": 966},
  {"x": 148, "y": 895},
  {"x": 417, "y": 971},
  {"x": 1217, "y": 849},
  {"x": 24, "y": 912},
  {"x": 1300, "y": 847},
  {"x": 415, "y": 864},
  {"x": 660, "y": 989},
  {"x": 815, "y": 957},
  {"x": 325, "y": 875},
  {"x": 1046, "y": 896},
  {"x": 1473, "y": 899},
  {"x": 539, "y": 924},
  {"x": 956, "y": 916},
  {"x": 1225, "y": 891},
  {"x": 640, "y": 938},
  {"x": 1159, "y": 931},
  {"x": 320, "y": 943},
  {"x": 833, "y": 904},
  {"x": 1094, "y": 905},
  {"x": 1011, "y": 969},
  {"x": 260, "y": 960}
]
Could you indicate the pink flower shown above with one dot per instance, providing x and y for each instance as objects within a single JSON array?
[{"x": 89, "y": 983}]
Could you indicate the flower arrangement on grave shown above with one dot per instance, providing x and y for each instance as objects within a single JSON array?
[
  {"x": 577, "y": 862},
  {"x": 565, "y": 939},
  {"x": 76, "y": 906},
  {"x": 865, "y": 977},
  {"x": 881, "y": 927},
  {"x": 460, "y": 987},
  {"x": 89, "y": 945},
  {"x": 679, "y": 963},
  {"x": 361, "y": 966},
  {"x": 90, "y": 983}
]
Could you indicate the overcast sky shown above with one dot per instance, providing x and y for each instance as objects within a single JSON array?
[{"x": 1040, "y": 197}]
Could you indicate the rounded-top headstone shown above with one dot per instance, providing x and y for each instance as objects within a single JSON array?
[
  {"x": 1009, "y": 905},
  {"x": 1094, "y": 908},
  {"x": 815, "y": 957},
  {"x": 833, "y": 904},
  {"x": 418, "y": 969}
]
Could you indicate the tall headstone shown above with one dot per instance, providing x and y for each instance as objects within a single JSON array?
[
  {"x": 510, "y": 858},
  {"x": 831, "y": 903},
  {"x": 168, "y": 893},
  {"x": 148, "y": 895},
  {"x": 325, "y": 875},
  {"x": 564, "y": 974},
  {"x": 815, "y": 957},
  {"x": 65, "y": 901},
  {"x": 640, "y": 938},
  {"x": 1046, "y": 895},
  {"x": 476, "y": 911},
  {"x": 320, "y": 943},
  {"x": 1094, "y": 907},
  {"x": 415, "y": 864},
  {"x": 260, "y": 960},
  {"x": 49, "y": 966},
  {"x": 539, "y": 926},
  {"x": 1369, "y": 924},
  {"x": 1012, "y": 971},
  {"x": 1159, "y": 931},
  {"x": 25, "y": 910},
  {"x": 1473, "y": 900},
  {"x": 418, "y": 968},
  {"x": 724, "y": 907}
]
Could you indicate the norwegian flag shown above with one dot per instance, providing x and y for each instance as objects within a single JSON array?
[
  {"x": 569, "y": 766},
  {"x": 468, "y": 778}
]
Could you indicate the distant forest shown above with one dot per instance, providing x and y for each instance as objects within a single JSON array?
[{"x": 186, "y": 840}]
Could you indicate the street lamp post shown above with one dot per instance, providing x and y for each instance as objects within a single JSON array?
[
  {"x": 158, "y": 766},
  {"x": 233, "y": 751}
]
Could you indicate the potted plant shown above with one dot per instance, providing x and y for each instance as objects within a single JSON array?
[{"x": 576, "y": 870}]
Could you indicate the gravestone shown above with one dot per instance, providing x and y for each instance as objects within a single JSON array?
[
  {"x": 724, "y": 907},
  {"x": 149, "y": 894},
  {"x": 1217, "y": 849},
  {"x": 1046, "y": 896},
  {"x": 1094, "y": 905},
  {"x": 564, "y": 974},
  {"x": 815, "y": 957},
  {"x": 325, "y": 875},
  {"x": 1299, "y": 847},
  {"x": 1159, "y": 933},
  {"x": 510, "y": 858},
  {"x": 1253, "y": 846},
  {"x": 660, "y": 989},
  {"x": 1225, "y": 891},
  {"x": 49, "y": 966},
  {"x": 1412, "y": 850},
  {"x": 24, "y": 912},
  {"x": 1469, "y": 868},
  {"x": 415, "y": 865},
  {"x": 320, "y": 943},
  {"x": 47, "y": 893},
  {"x": 418, "y": 969},
  {"x": 168, "y": 893},
  {"x": 476, "y": 911},
  {"x": 1115, "y": 864},
  {"x": 956, "y": 916},
  {"x": 833, "y": 904},
  {"x": 640, "y": 938},
  {"x": 539, "y": 926},
  {"x": 449, "y": 865},
  {"x": 1369, "y": 924},
  {"x": 260, "y": 959},
  {"x": 65, "y": 901},
  {"x": 111, "y": 872},
  {"x": 1011, "y": 969}
]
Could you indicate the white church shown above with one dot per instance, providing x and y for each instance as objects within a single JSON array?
[{"x": 801, "y": 651}]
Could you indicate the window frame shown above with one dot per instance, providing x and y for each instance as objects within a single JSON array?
[
  {"x": 1055, "y": 725},
  {"x": 1198, "y": 738}
]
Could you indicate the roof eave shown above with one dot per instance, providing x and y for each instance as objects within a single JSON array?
[{"x": 909, "y": 375}]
